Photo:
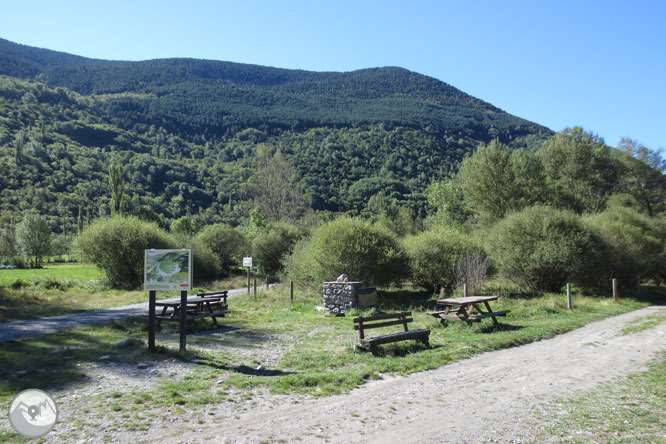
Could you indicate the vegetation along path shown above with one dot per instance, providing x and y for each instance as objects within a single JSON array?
[
  {"x": 493, "y": 397},
  {"x": 33, "y": 327}
]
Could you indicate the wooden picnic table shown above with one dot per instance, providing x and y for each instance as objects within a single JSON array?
[
  {"x": 468, "y": 309},
  {"x": 199, "y": 306}
]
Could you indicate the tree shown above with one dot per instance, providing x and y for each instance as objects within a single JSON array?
[
  {"x": 117, "y": 186},
  {"x": 33, "y": 236},
  {"x": 274, "y": 186},
  {"x": 272, "y": 244},
  {"x": 580, "y": 170},
  {"x": 8, "y": 244},
  {"x": 644, "y": 177},
  {"x": 497, "y": 180}
]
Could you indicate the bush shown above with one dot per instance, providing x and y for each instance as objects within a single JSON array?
[
  {"x": 205, "y": 263},
  {"x": 433, "y": 256},
  {"x": 117, "y": 245},
  {"x": 227, "y": 243},
  {"x": 270, "y": 245},
  {"x": 634, "y": 245},
  {"x": 362, "y": 251},
  {"x": 542, "y": 248}
]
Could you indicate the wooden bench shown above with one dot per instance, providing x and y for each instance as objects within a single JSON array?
[{"x": 387, "y": 320}]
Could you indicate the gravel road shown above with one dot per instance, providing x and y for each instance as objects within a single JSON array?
[{"x": 492, "y": 397}]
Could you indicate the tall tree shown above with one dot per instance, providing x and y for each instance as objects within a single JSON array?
[
  {"x": 274, "y": 186},
  {"x": 117, "y": 186},
  {"x": 496, "y": 180},
  {"x": 33, "y": 236},
  {"x": 580, "y": 170},
  {"x": 644, "y": 176}
]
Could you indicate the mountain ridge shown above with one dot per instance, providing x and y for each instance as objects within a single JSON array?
[{"x": 188, "y": 131}]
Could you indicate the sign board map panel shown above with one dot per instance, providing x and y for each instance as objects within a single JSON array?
[{"x": 168, "y": 270}]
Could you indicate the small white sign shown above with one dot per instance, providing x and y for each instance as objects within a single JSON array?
[{"x": 247, "y": 262}]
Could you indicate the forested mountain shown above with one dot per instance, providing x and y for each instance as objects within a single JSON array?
[{"x": 187, "y": 132}]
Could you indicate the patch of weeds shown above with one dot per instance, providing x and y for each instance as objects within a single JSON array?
[{"x": 644, "y": 323}]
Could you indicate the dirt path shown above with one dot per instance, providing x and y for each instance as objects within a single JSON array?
[
  {"x": 489, "y": 398},
  {"x": 33, "y": 327}
]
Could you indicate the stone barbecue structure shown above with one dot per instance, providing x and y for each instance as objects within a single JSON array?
[{"x": 340, "y": 296}]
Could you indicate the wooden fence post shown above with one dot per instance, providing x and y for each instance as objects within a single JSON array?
[
  {"x": 266, "y": 282},
  {"x": 291, "y": 291},
  {"x": 255, "y": 288},
  {"x": 465, "y": 289},
  {"x": 614, "y": 289},
  {"x": 569, "y": 296}
]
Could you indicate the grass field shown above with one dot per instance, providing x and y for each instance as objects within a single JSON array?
[
  {"x": 300, "y": 349},
  {"x": 72, "y": 271}
]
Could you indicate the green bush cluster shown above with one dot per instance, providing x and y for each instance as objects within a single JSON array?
[
  {"x": 226, "y": 244},
  {"x": 117, "y": 244},
  {"x": 634, "y": 245},
  {"x": 433, "y": 256},
  {"x": 271, "y": 244},
  {"x": 354, "y": 247},
  {"x": 541, "y": 248}
]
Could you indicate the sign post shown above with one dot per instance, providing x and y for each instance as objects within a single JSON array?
[
  {"x": 167, "y": 270},
  {"x": 247, "y": 262}
]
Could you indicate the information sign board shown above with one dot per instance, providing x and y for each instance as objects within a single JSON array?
[{"x": 168, "y": 270}]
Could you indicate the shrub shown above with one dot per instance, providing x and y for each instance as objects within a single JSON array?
[
  {"x": 634, "y": 245},
  {"x": 362, "y": 251},
  {"x": 205, "y": 263},
  {"x": 542, "y": 248},
  {"x": 270, "y": 245},
  {"x": 227, "y": 243},
  {"x": 117, "y": 245},
  {"x": 433, "y": 256}
]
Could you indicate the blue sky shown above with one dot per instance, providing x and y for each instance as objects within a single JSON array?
[{"x": 597, "y": 64}]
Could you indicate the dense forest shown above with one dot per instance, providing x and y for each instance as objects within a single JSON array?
[
  {"x": 443, "y": 185},
  {"x": 190, "y": 135}
]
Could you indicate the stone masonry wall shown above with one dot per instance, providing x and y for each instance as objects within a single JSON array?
[{"x": 340, "y": 296}]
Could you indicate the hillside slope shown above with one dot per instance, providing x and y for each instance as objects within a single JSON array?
[{"x": 187, "y": 132}]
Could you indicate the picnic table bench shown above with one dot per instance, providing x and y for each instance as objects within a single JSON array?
[
  {"x": 464, "y": 309},
  {"x": 211, "y": 305},
  {"x": 387, "y": 320}
]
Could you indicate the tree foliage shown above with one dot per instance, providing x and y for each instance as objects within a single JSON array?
[
  {"x": 351, "y": 246},
  {"x": 33, "y": 237},
  {"x": 542, "y": 248},
  {"x": 433, "y": 256},
  {"x": 117, "y": 244},
  {"x": 580, "y": 170},
  {"x": 226, "y": 242}
]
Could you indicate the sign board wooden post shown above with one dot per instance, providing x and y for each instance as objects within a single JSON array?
[
  {"x": 167, "y": 270},
  {"x": 247, "y": 262}
]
